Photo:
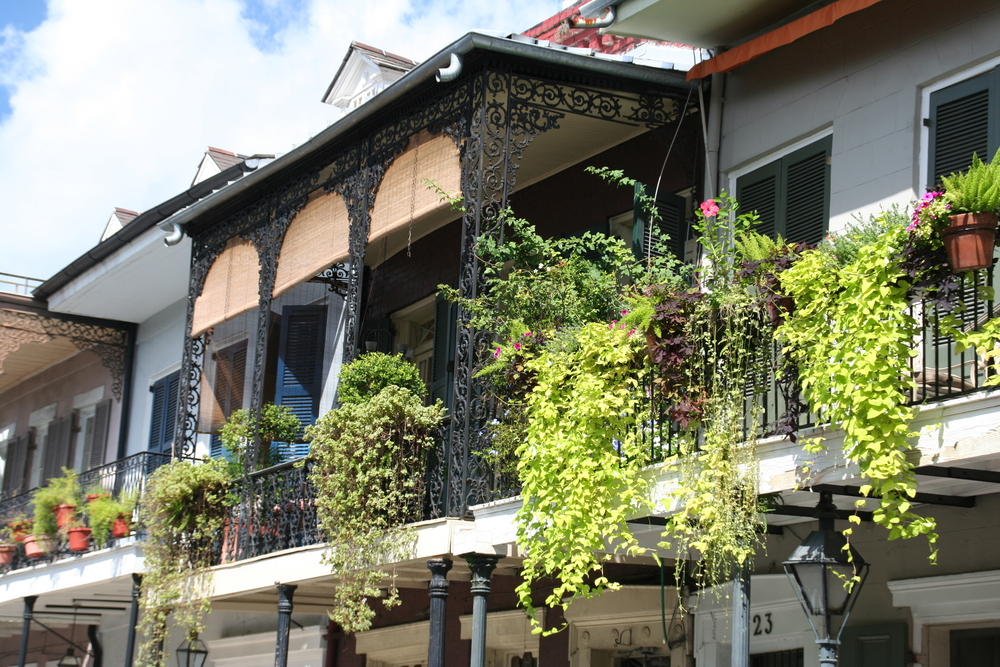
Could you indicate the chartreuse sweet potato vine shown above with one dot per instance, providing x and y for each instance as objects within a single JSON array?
[
  {"x": 580, "y": 462},
  {"x": 851, "y": 337}
]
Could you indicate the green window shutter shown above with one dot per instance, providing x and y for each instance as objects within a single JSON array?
[
  {"x": 97, "y": 436},
  {"x": 874, "y": 646},
  {"x": 806, "y": 195},
  {"x": 18, "y": 455},
  {"x": 960, "y": 125},
  {"x": 163, "y": 420},
  {"x": 300, "y": 366},
  {"x": 443, "y": 356},
  {"x": 57, "y": 447},
  {"x": 670, "y": 231},
  {"x": 760, "y": 191}
]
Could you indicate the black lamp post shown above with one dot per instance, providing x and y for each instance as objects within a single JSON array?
[
  {"x": 827, "y": 575},
  {"x": 192, "y": 653}
]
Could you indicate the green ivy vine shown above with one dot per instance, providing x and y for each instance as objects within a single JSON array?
[
  {"x": 851, "y": 337},
  {"x": 185, "y": 507},
  {"x": 369, "y": 477}
]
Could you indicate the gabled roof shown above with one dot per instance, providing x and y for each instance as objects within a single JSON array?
[
  {"x": 214, "y": 161},
  {"x": 119, "y": 218},
  {"x": 375, "y": 56}
]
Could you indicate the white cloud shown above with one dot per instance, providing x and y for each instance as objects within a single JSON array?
[{"x": 114, "y": 101}]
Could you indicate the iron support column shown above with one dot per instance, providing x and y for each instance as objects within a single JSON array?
[
  {"x": 285, "y": 593},
  {"x": 741, "y": 615},
  {"x": 133, "y": 620},
  {"x": 29, "y": 613},
  {"x": 438, "y": 588},
  {"x": 482, "y": 567}
]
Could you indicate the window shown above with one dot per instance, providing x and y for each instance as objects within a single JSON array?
[
  {"x": 17, "y": 462},
  {"x": 230, "y": 376},
  {"x": 791, "y": 194},
  {"x": 964, "y": 119},
  {"x": 164, "y": 417},
  {"x": 299, "y": 382}
]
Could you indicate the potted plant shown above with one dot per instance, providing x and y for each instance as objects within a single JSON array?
[
  {"x": 109, "y": 517},
  {"x": 972, "y": 200},
  {"x": 38, "y": 545},
  {"x": 8, "y": 547},
  {"x": 20, "y": 526},
  {"x": 278, "y": 426},
  {"x": 78, "y": 536},
  {"x": 55, "y": 505}
]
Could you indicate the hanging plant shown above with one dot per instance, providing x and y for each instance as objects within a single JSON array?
[
  {"x": 369, "y": 476},
  {"x": 185, "y": 506}
]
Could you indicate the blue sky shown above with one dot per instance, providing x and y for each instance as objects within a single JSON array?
[
  {"x": 116, "y": 101},
  {"x": 23, "y": 16}
]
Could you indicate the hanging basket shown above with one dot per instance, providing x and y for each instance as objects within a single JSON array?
[{"x": 969, "y": 240}]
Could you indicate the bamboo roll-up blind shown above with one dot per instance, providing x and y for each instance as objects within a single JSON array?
[
  {"x": 404, "y": 196},
  {"x": 230, "y": 286},
  {"x": 316, "y": 240}
]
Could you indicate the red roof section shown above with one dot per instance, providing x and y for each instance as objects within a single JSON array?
[{"x": 556, "y": 29}]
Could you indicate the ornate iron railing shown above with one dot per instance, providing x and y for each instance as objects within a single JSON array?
[
  {"x": 275, "y": 510},
  {"x": 124, "y": 477}
]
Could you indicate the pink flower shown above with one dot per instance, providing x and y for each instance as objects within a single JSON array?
[
  {"x": 527, "y": 334},
  {"x": 624, "y": 313},
  {"x": 497, "y": 353},
  {"x": 517, "y": 346},
  {"x": 631, "y": 331},
  {"x": 612, "y": 325},
  {"x": 709, "y": 208}
]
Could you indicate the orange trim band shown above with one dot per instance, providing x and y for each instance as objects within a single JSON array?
[{"x": 786, "y": 34}]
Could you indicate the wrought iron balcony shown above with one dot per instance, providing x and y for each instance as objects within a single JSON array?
[{"x": 124, "y": 477}]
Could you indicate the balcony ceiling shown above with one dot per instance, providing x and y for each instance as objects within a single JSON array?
[{"x": 705, "y": 24}]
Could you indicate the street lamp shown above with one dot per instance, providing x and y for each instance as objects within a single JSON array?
[
  {"x": 192, "y": 653},
  {"x": 827, "y": 575}
]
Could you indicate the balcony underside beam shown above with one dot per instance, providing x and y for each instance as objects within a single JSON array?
[
  {"x": 951, "y": 472},
  {"x": 919, "y": 497}
]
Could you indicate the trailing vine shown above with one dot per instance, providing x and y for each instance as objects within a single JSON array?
[
  {"x": 369, "y": 478},
  {"x": 851, "y": 337},
  {"x": 185, "y": 507},
  {"x": 580, "y": 463}
]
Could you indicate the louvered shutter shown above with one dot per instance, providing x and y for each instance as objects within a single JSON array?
[
  {"x": 98, "y": 435},
  {"x": 300, "y": 366},
  {"x": 161, "y": 429},
  {"x": 57, "y": 448},
  {"x": 443, "y": 359},
  {"x": 806, "y": 192},
  {"x": 760, "y": 191},
  {"x": 961, "y": 124},
  {"x": 18, "y": 454},
  {"x": 669, "y": 232}
]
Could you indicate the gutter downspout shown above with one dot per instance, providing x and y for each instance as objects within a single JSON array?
[
  {"x": 451, "y": 72},
  {"x": 713, "y": 136},
  {"x": 605, "y": 20}
]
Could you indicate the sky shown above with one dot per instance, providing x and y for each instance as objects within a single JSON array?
[{"x": 111, "y": 103}]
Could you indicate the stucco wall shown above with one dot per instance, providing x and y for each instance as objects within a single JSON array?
[{"x": 863, "y": 77}]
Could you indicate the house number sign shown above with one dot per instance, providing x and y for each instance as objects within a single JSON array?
[{"x": 762, "y": 624}]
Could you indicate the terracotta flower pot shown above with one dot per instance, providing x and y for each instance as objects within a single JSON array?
[
  {"x": 36, "y": 546},
  {"x": 7, "y": 552},
  {"x": 19, "y": 534},
  {"x": 79, "y": 538},
  {"x": 120, "y": 528},
  {"x": 969, "y": 240},
  {"x": 91, "y": 497},
  {"x": 64, "y": 514},
  {"x": 776, "y": 311}
]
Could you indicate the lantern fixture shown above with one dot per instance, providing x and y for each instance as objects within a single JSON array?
[
  {"x": 826, "y": 573},
  {"x": 192, "y": 653},
  {"x": 69, "y": 660}
]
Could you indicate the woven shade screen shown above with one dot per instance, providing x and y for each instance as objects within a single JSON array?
[
  {"x": 230, "y": 286},
  {"x": 316, "y": 240},
  {"x": 403, "y": 196}
]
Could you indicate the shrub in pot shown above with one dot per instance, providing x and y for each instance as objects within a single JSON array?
[
  {"x": 973, "y": 199},
  {"x": 109, "y": 517},
  {"x": 56, "y": 503},
  {"x": 20, "y": 526},
  {"x": 278, "y": 425},
  {"x": 36, "y": 546},
  {"x": 78, "y": 536},
  {"x": 7, "y": 546}
]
